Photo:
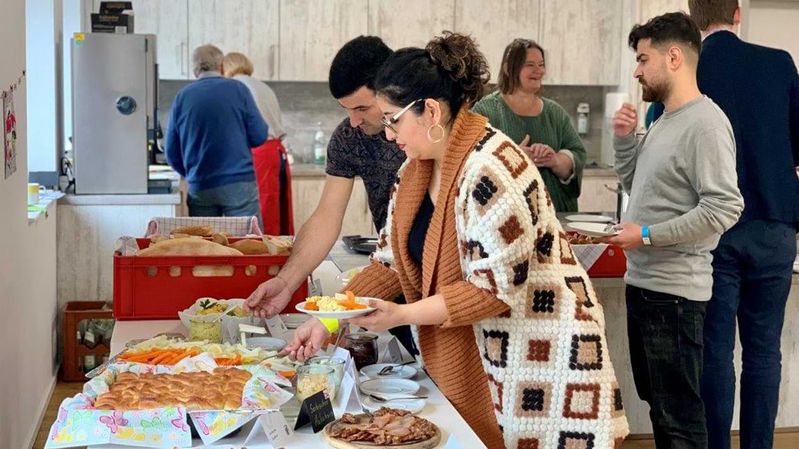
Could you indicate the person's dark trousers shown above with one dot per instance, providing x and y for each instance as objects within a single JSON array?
[
  {"x": 665, "y": 336},
  {"x": 752, "y": 268}
]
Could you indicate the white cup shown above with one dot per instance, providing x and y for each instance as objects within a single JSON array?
[{"x": 33, "y": 192}]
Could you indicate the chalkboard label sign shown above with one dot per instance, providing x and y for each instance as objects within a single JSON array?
[{"x": 317, "y": 410}]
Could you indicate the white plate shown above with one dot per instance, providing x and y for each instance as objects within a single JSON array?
[
  {"x": 411, "y": 405},
  {"x": 591, "y": 229},
  {"x": 268, "y": 343},
  {"x": 402, "y": 372},
  {"x": 389, "y": 387},
  {"x": 590, "y": 218},
  {"x": 341, "y": 315}
]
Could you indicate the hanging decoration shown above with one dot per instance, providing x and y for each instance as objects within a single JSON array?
[{"x": 9, "y": 124}]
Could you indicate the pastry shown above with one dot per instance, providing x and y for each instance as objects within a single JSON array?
[
  {"x": 278, "y": 246},
  {"x": 202, "y": 231},
  {"x": 219, "y": 390},
  {"x": 188, "y": 247},
  {"x": 249, "y": 246}
]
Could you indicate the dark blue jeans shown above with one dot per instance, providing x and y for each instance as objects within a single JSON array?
[
  {"x": 665, "y": 333},
  {"x": 751, "y": 281},
  {"x": 239, "y": 199}
]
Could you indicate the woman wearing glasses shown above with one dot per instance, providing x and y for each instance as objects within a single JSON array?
[
  {"x": 508, "y": 324},
  {"x": 540, "y": 126}
]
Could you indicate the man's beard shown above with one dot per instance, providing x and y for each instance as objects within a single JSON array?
[{"x": 654, "y": 93}]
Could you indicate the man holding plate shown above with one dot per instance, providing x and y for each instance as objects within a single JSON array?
[{"x": 683, "y": 195}]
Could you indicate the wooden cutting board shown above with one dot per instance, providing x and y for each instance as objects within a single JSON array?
[{"x": 341, "y": 444}]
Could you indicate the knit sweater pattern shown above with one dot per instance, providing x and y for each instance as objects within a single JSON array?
[{"x": 523, "y": 355}]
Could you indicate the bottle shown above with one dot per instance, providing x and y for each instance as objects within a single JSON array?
[
  {"x": 319, "y": 145},
  {"x": 582, "y": 118}
]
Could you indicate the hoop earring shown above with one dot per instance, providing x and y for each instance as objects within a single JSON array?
[{"x": 430, "y": 137}]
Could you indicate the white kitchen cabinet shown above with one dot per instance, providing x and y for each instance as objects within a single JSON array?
[
  {"x": 168, "y": 20},
  {"x": 411, "y": 23},
  {"x": 652, "y": 8},
  {"x": 581, "y": 41},
  {"x": 312, "y": 31},
  {"x": 305, "y": 194},
  {"x": 495, "y": 24},
  {"x": 246, "y": 26}
]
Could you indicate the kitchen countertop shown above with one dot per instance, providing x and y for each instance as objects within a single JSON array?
[{"x": 120, "y": 200}]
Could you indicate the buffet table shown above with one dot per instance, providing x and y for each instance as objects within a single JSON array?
[{"x": 455, "y": 432}]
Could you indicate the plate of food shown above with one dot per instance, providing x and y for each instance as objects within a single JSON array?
[
  {"x": 593, "y": 229},
  {"x": 387, "y": 427},
  {"x": 339, "y": 306},
  {"x": 590, "y": 218}
]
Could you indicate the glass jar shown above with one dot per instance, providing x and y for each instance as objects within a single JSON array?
[
  {"x": 363, "y": 348},
  {"x": 334, "y": 362},
  {"x": 312, "y": 379},
  {"x": 200, "y": 329}
]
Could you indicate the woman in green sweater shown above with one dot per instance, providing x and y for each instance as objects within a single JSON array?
[{"x": 540, "y": 126}]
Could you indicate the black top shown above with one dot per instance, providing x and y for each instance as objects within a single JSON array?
[
  {"x": 374, "y": 159},
  {"x": 419, "y": 229}
]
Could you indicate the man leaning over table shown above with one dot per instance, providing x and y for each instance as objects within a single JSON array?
[
  {"x": 683, "y": 195},
  {"x": 358, "y": 147}
]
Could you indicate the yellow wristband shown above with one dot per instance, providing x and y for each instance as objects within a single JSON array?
[{"x": 330, "y": 323}]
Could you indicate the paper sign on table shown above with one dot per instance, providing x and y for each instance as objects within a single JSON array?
[
  {"x": 317, "y": 410},
  {"x": 275, "y": 427},
  {"x": 392, "y": 353},
  {"x": 276, "y": 327}
]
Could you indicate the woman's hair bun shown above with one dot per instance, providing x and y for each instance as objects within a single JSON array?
[{"x": 457, "y": 54}]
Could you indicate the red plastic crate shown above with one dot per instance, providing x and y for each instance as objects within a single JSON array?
[
  {"x": 153, "y": 288},
  {"x": 611, "y": 264}
]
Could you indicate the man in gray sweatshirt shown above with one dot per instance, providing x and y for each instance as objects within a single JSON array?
[{"x": 683, "y": 190}]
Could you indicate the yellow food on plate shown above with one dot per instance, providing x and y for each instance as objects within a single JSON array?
[
  {"x": 339, "y": 303},
  {"x": 325, "y": 304}
]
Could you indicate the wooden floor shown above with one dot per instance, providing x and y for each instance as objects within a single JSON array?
[{"x": 783, "y": 439}]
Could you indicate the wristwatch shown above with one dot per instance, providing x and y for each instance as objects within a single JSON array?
[{"x": 645, "y": 236}]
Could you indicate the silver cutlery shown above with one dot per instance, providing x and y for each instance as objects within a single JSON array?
[
  {"x": 398, "y": 398},
  {"x": 389, "y": 369}
]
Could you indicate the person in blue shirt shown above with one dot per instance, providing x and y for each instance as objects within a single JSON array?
[
  {"x": 758, "y": 89},
  {"x": 212, "y": 126}
]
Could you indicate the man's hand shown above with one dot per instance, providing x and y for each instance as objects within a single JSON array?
[
  {"x": 269, "y": 298},
  {"x": 387, "y": 315},
  {"x": 628, "y": 238},
  {"x": 308, "y": 340},
  {"x": 625, "y": 120}
]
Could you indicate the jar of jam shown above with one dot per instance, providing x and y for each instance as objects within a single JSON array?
[{"x": 363, "y": 348}]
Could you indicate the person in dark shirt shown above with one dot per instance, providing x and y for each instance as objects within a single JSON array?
[
  {"x": 758, "y": 89},
  {"x": 358, "y": 147},
  {"x": 212, "y": 126}
]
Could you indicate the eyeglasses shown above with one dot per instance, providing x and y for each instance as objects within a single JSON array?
[{"x": 389, "y": 122}]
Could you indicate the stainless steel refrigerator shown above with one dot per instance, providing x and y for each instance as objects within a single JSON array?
[{"x": 114, "y": 89}]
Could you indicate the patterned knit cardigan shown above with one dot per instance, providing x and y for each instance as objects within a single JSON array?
[{"x": 513, "y": 289}]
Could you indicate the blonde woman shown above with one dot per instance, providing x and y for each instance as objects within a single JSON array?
[{"x": 271, "y": 157}]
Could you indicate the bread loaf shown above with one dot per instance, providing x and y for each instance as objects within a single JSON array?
[
  {"x": 278, "y": 246},
  {"x": 188, "y": 247},
  {"x": 248, "y": 246},
  {"x": 202, "y": 231}
]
